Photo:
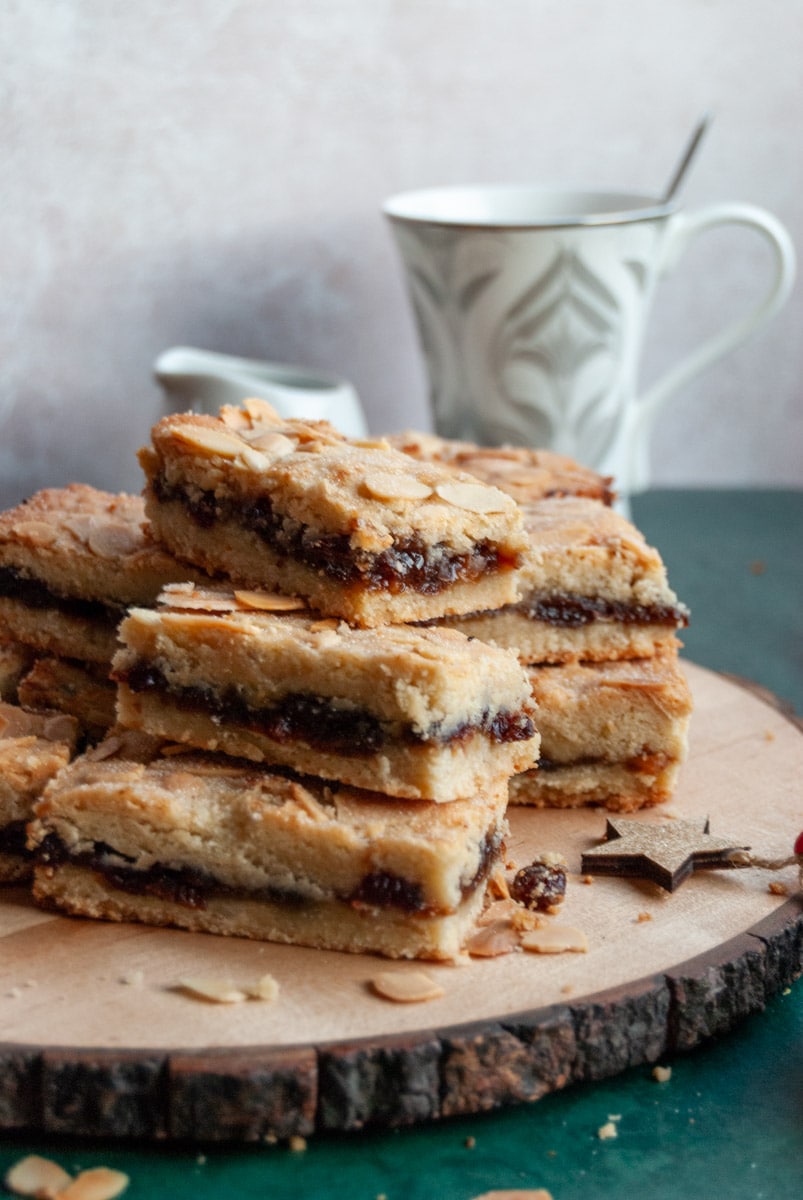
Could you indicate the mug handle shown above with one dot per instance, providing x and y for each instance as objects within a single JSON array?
[{"x": 683, "y": 228}]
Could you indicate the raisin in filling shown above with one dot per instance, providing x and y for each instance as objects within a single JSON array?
[
  {"x": 36, "y": 594},
  {"x": 410, "y": 564},
  {"x": 570, "y": 611},
  {"x": 192, "y": 888},
  {"x": 316, "y": 721},
  {"x": 13, "y": 837}
]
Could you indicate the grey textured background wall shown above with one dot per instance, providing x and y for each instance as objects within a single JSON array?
[{"x": 210, "y": 172}]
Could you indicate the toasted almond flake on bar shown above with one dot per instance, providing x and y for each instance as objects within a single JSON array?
[
  {"x": 269, "y": 601},
  {"x": 490, "y": 941},
  {"x": 37, "y": 1176},
  {"x": 98, "y": 1183},
  {"x": 274, "y": 445},
  {"x": 60, "y": 728},
  {"x": 266, "y": 988},
  {"x": 474, "y": 497},
  {"x": 326, "y": 625},
  {"x": 114, "y": 540},
  {"x": 555, "y": 939},
  {"x": 260, "y": 410},
  {"x": 386, "y": 485},
  {"x": 406, "y": 987},
  {"x": 212, "y": 442},
  {"x": 105, "y": 749},
  {"x": 217, "y": 991},
  {"x": 177, "y": 596},
  {"x": 255, "y": 459},
  {"x": 36, "y": 532},
  {"x": 376, "y": 443}
]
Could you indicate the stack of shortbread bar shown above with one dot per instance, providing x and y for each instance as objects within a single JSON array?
[
  {"x": 336, "y": 661},
  {"x": 303, "y": 764},
  {"x": 596, "y": 627}
]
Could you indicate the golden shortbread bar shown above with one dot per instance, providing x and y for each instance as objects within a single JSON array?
[
  {"x": 418, "y": 713},
  {"x": 71, "y": 561},
  {"x": 592, "y": 589},
  {"x": 358, "y": 529},
  {"x": 612, "y": 734},
  {"x": 83, "y": 690},
  {"x": 525, "y": 474},
  {"x": 33, "y": 748},
  {"x": 132, "y": 831}
]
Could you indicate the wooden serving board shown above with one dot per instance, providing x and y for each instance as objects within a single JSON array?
[{"x": 95, "y": 1037}]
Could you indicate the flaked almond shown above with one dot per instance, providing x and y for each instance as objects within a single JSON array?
[
  {"x": 268, "y": 601},
  {"x": 555, "y": 939},
  {"x": 105, "y": 749},
  {"x": 369, "y": 443},
  {"x": 274, "y": 445},
  {"x": 37, "y": 533},
  {"x": 114, "y": 540},
  {"x": 98, "y": 1183},
  {"x": 499, "y": 910},
  {"x": 490, "y": 941},
  {"x": 216, "y": 991},
  {"x": 474, "y": 497},
  {"x": 260, "y": 410},
  {"x": 524, "y": 919},
  {"x": 386, "y": 485},
  {"x": 59, "y": 728},
  {"x": 234, "y": 418},
  {"x": 178, "y": 596},
  {"x": 406, "y": 987},
  {"x": 36, "y": 1176},
  {"x": 255, "y": 460},
  {"x": 325, "y": 625},
  {"x": 266, "y": 988},
  {"x": 212, "y": 442}
]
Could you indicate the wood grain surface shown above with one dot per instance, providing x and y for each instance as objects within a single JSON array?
[{"x": 96, "y": 1038}]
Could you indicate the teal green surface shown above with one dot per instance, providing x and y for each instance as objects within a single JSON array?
[{"x": 728, "y": 1124}]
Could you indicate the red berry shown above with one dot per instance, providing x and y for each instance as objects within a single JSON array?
[{"x": 799, "y": 844}]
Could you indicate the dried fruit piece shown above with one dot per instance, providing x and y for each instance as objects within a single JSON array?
[
  {"x": 474, "y": 497},
  {"x": 217, "y": 991},
  {"x": 542, "y": 884},
  {"x": 406, "y": 987},
  {"x": 36, "y": 1176},
  {"x": 269, "y": 601},
  {"x": 98, "y": 1183},
  {"x": 385, "y": 485},
  {"x": 555, "y": 939}
]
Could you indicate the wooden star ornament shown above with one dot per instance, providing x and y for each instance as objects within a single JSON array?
[{"x": 666, "y": 854}]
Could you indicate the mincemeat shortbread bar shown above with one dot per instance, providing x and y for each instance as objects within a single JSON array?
[
  {"x": 592, "y": 589},
  {"x": 411, "y": 712},
  {"x": 33, "y": 749},
  {"x": 72, "y": 560},
  {"x": 132, "y": 831},
  {"x": 612, "y": 734},
  {"x": 359, "y": 529}
]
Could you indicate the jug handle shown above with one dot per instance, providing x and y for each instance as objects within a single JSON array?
[{"x": 683, "y": 228}]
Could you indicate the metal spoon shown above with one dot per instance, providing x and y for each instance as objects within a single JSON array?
[{"x": 688, "y": 155}]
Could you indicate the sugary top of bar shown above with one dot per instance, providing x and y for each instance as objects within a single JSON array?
[
  {"x": 422, "y": 676},
  {"x": 580, "y": 546},
  {"x": 525, "y": 474},
  {"x": 88, "y": 544},
  {"x": 311, "y": 474}
]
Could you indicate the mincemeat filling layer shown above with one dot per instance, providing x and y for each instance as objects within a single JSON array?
[
  {"x": 36, "y": 594},
  {"x": 316, "y": 720},
  {"x": 570, "y": 611},
  {"x": 193, "y": 888},
  {"x": 648, "y": 762},
  {"x": 409, "y": 565},
  {"x": 13, "y": 838}
]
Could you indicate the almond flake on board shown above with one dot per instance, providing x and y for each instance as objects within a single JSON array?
[
  {"x": 555, "y": 939},
  {"x": 490, "y": 941},
  {"x": 406, "y": 987},
  {"x": 217, "y": 991},
  {"x": 36, "y": 1176},
  {"x": 266, "y": 988}
]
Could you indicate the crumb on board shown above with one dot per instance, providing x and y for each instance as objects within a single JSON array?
[
  {"x": 777, "y": 887},
  {"x": 607, "y": 1131},
  {"x": 297, "y": 1143},
  {"x": 662, "y": 1074},
  {"x": 642, "y": 917}
]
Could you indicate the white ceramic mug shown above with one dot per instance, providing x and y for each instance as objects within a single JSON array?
[
  {"x": 205, "y": 380},
  {"x": 532, "y": 304}
]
